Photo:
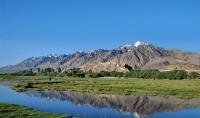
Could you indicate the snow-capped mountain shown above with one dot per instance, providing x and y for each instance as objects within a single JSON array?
[{"x": 140, "y": 54}]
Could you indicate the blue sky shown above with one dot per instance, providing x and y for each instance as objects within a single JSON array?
[{"x": 38, "y": 27}]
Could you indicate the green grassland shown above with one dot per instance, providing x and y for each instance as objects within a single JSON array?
[
  {"x": 15, "y": 111},
  {"x": 114, "y": 86}
]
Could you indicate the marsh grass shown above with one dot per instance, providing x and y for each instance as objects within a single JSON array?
[
  {"x": 15, "y": 111},
  {"x": 180, "y": 88}
]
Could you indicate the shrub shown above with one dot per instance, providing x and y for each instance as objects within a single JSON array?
[
  {"x": 194, "y": 75},
  {"x": 29, "y": 85}
]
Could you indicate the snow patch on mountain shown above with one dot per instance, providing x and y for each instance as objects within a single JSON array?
[
  {"x": 138, "y": 43},
  {"x": 125, "y": 46},
  {"x": 52, "y": 55}
]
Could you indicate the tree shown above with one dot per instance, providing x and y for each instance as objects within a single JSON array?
[
  {"x": 181, "y": 74},
  {"x": 39, "y": 70},
  {"x": 128, "y": 67},
  {"x": 177, "y": 75},
  {"x": 59, "y": 70},
  {"x": 104, "y": 73},
  {"x": 47, "y": 70},
  {"x": 194, "y": 75},
  {"x": 92, "y": 75}
]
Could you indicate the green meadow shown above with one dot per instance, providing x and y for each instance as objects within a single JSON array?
[
  {"x": 185, "y": 89},
  {"x": 16, "y": 111}
]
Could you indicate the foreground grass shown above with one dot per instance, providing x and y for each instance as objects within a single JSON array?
[
  {"x": 180, "y": 88},
  {"x": 15, "y": 111}
]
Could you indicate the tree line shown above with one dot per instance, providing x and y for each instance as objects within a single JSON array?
[{"x": 133, "y": 73}]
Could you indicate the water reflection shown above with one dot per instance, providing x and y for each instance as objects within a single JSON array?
[{"x": 139, "y": 105}]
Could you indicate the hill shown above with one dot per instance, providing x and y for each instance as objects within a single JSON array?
[{"x": 140, "y": 55}]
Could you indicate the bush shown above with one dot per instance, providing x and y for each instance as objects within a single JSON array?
[
  {"x": 145, "y": 74},
  {"x": 92, "y": 75},
  {"x": 194, "y": 75},
  {"x": 24, "y": 73},
  {"x": 156, "y": 74},
  {"x": 181, "y": 74},
  {"x": 29, "y": 85}
]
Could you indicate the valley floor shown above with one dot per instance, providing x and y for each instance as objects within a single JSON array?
[{"x": 185, "y": 89}]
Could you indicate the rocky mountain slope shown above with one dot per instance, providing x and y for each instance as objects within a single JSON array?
[{"x": 141, "y": 55}]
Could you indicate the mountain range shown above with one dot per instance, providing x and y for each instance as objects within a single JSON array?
[{"x": 141, "y": 55}]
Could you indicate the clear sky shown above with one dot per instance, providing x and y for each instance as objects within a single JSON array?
[{"x": 38, "y": 27}]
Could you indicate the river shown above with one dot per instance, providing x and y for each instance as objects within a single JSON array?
[{"x": 87, "y": 105}]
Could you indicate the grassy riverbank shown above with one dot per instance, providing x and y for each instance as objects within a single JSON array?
[
  {"x": 25, "y": 78},
  {"x": 114, "y": 86},
  {"x": 15, "y": 111}
]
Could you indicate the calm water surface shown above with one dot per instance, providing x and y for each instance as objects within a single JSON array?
[{"x": 92, "y": 106}]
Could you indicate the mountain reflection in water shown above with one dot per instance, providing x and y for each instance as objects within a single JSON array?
[{"x": 139, "y": 105}]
